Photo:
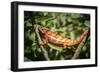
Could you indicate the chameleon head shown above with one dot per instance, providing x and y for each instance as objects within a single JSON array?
[{"x": 43, "y": 30}]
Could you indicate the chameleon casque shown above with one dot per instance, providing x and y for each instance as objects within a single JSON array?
[{"x": 59, "y": 40}]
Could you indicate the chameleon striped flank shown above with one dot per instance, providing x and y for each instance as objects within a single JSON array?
[{"x": 61, "y": 40}]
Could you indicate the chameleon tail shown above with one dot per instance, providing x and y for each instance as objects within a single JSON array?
[{"x": 78, "y": 40}]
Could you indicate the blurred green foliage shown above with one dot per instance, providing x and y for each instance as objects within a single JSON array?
[{"x": 70, "y": 25}]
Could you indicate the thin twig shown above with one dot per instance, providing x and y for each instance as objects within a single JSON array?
[
  {"x": 58, "y": 21},
  {"x": 62, "y": 58},
  {"x": 40, "y": 41},
  {"x": 78, "y": 50},
  {"x": 56, "y": 55}
]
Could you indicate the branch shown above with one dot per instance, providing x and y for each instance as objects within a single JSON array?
[
  {"x": 40, "y": 41},
  {"x": 78, "y": 50}
]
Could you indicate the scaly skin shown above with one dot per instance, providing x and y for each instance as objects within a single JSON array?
[{"x": 61, "y": 40}]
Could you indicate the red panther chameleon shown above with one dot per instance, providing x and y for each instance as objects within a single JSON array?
[{"x": 59, "y": 40}]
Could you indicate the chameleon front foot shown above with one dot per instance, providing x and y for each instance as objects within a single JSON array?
[{"x": 43, "y": 43}]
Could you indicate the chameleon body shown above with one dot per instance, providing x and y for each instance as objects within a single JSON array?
[{"x": 61, "y": 40}]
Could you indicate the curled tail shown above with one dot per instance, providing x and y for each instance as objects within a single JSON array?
[{"x": 78, "y": 40}]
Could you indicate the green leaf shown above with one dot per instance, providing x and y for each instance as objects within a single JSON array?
[
  {"x": 55, "y": 47},
  {"x": 26, "y": 59},
  {"x": 75, "y": 15},
  {"x": 87, "y": 23},
  {"x": 28, "y": 23},
  {"x": 32, "y": 36}
]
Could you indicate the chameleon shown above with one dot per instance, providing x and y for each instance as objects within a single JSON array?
[{"x": 59, "y": 40}]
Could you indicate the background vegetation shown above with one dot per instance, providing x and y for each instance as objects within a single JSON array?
[{"x": 70, "y": 25}]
